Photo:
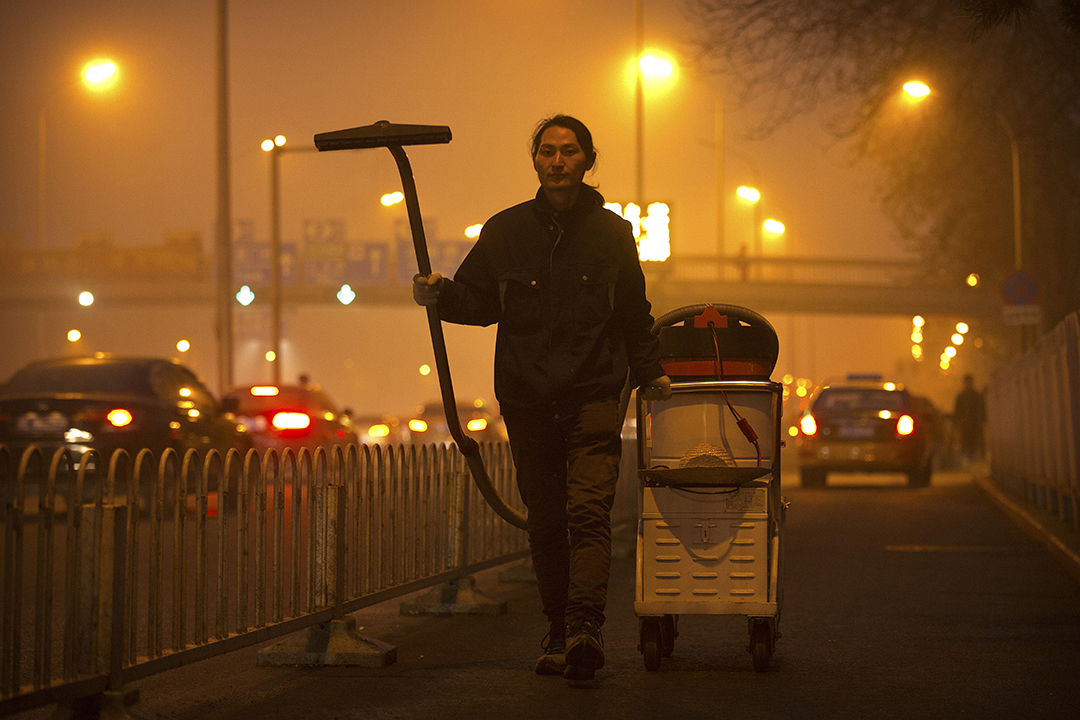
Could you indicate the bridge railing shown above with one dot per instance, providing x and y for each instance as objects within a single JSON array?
[
  {"x": 800, "y": 270},
  {"x": 116, "y": 572},
  {"x": 1033, "y": 423}
]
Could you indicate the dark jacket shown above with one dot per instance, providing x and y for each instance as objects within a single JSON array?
[{"x": 567, "y": 291}]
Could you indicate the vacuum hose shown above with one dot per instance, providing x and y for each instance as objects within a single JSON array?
[
  {"x": 393, "y": 137},
  {"x": 467, "y": 445}
]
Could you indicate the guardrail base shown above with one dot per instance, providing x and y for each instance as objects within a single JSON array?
[
  {"x": 110, "y": 705},
  {"x": 457, "y": 597},
  {"x": 522, "y": 572},
  {"x": 337, "y": 642}
]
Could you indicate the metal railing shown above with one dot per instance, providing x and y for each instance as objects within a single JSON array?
[
  {"x": 796, "y": 270},
  {"x": 111, "y": 574},
  {"x": 1033, "y": 423}
]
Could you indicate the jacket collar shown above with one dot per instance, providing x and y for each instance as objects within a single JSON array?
[{"x": 588, "y": 197}]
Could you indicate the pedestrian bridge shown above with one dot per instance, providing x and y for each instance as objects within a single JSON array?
[
  {"x": 817, "y": 285},
  {"x": 768, "y": 284}
]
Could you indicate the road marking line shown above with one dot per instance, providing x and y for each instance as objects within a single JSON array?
[
  {"x": 1033, "y": 527},
  {"x": 946, "y": 548}
]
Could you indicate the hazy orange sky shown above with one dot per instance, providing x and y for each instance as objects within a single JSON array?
[{"x": 139, "y": 161}]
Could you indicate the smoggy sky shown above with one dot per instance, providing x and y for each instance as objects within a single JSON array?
[{"x": 139, "y": 160}]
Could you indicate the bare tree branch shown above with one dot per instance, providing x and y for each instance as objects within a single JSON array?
[{"x": 945, "y": 163}]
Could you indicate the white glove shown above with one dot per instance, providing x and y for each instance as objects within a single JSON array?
[
  {"x": 425, "y": 289},
  {"x": 658, "y": 389}
]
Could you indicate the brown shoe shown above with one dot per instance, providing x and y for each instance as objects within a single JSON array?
[{"x": 553, "y": 661}]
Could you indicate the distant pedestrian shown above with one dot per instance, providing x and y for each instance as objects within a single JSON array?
[
  {"x": 561, "y": 277},
  {"x": 969, "y": 415}
]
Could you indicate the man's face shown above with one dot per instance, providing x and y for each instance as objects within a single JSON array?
[{"x": 560, "y": 162}]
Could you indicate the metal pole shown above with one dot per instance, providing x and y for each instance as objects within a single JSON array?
[
  {"x": 758, "y": 248},
  {"x": 275, "y": 264},
  {"x": 224, "y": 209},
  {"x": 41, "y": 181},
  {"x": 639, "y": 107},
  {"x": 1017, "y": 225},
  {"x": 718, "y": 140}
]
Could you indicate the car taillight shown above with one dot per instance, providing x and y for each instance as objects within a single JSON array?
[
  {"x": 118, "y": 417},
  {"x": 808, "y": 425},
  {"x": 905, "y": 425},
  {"x": 477, "y": 424},
  {"x": 417, "y": 425},
  {"x": 291, "y": 421}
]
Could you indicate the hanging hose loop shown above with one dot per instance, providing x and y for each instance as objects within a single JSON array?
[{"x": 467, "y": 445}]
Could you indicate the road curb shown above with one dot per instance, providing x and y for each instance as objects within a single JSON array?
[{"x": 1062, "y": 552}]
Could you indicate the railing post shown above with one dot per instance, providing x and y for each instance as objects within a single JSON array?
[
  {"x": 337, "y": 642},
  {"x": 458, "y": 596},
  {"x": 113, "y": 559},
  {"x": 336, "y": 575}
]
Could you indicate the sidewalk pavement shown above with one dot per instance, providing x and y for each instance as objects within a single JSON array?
[{"x": 1058, "y": 536}]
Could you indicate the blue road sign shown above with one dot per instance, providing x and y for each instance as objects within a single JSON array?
[{"x": 1019, "y": 288}]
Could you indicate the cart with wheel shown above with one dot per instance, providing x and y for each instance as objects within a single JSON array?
[{"x": 711, "y": 515}]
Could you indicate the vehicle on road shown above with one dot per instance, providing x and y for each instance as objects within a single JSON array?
[
  {"x": 863, "y": 423},
  {"x": 111, "y": 403},
  {"x": 380, "y": 429},
  {"x": 291, "y": 416},
  {"x": 429, "y": 425}
]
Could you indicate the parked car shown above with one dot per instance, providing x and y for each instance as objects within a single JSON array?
[
  {"x": 291, "y": 416},
  {"x": 429, "y": 425},
  {"x": 108, "y": 403},
  {"x": 865, "y": 424}
]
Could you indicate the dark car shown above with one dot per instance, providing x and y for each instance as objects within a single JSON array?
[
  {"x": 108, "y": 403},
  {"x": 865, "y": 424},
  {"x": 429, "y": 425},
  {"x": 291, "y": 416}
]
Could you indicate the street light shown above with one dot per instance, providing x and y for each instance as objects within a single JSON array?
[
  {"x": 98, "y": 76},
  {"x": 659, "y": 66},
  {"x": 276, "y": 148},
  {"x": 916, "y": 91}
]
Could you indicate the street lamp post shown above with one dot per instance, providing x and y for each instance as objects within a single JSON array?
[
  {"x": 753, "y": 196},
  {"x": 276, "y": 148},
  {"x": 639, "y": 105},
  {"x": 1018, "y": 257},
  {"x": 275, "y": 257},
  {"x": 917, "y": 91},
  {"x": 97, "y": 74},
  {"x": 660, "y": 67}
]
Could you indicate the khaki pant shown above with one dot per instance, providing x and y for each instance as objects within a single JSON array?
[{"x": 567, "y": 461}]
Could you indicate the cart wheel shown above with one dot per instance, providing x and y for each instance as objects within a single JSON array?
[
  {"x": 650, "y": 643},
  {"x": 669, "y": 625},
  {"x": 761, "y": 646}
]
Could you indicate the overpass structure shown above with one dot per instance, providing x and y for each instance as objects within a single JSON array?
[
  {"x": 819, "y": 285},
  {"x": 770, "y": 284}
]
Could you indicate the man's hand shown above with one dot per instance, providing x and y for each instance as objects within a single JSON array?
[
  {"x": 658, "y": 389},
  {"x": 425, "y": 289}
]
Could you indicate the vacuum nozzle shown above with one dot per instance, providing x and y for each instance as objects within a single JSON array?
[{"x": 382, "y": 134}]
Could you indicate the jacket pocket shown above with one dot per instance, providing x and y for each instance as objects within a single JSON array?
[
  {"x": 592, "y": 293},
  {"x": 519, "y": 301}
]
